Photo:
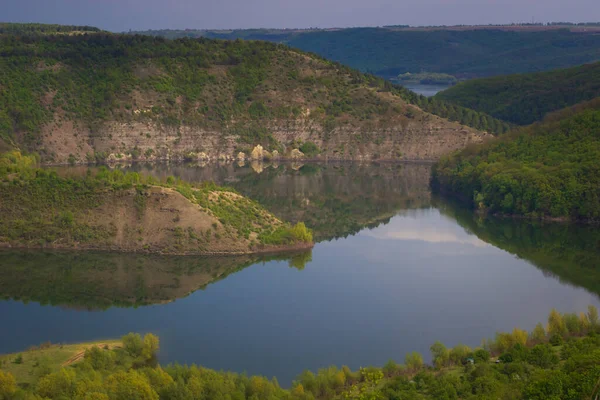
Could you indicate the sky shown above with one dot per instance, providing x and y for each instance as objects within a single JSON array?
[{"x": 122, "y": 15}]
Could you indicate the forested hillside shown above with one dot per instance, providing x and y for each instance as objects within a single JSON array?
[
  {"x": 85, "y": 97},
  {"x": 525, "y": 98},
  {"x": 547, "y": 170},
  {"x": 464, "y": 53}
]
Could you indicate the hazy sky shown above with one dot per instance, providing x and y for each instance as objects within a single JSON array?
[{"x": 120, "y": 15}]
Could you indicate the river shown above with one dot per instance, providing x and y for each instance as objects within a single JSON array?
[{"x": 395, "y": 269}]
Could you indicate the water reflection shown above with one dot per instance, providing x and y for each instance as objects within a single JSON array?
[
  {"x": 335, "y": 200},
  {"x": 569, "y": 252},
  {"x": 98, "y": 281}
]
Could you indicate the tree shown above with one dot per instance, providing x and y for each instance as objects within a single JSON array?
[
  {"x": 8, "y": 385},
  {"x": 439, "y": 354},
  {"x": 543, "y": 356},
  {"x": 414, "y": 361},
  {"x": 59, "y": 384},
  {"x": 133, "y": 344},
  {"x": 539, "y": 333},
  {"x": 556, "y": 323},
  {"x": 150, "y": 347},
  {"x": 481, "y": 356},
  {"x": 572, "y": 323},
  {"x": 459, "y": 353},
  {"x": 129, "y": 386},
  {"x": 519, "y": 336}
]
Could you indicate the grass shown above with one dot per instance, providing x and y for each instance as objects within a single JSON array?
[{"x": 47, "y": 358}]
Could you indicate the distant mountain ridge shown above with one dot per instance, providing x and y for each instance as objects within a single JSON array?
[{"x": 462, "y": 51}]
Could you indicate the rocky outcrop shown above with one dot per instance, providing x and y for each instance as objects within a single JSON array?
[{"x": 427, "y": 140}]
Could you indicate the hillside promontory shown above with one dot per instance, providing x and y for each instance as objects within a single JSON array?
[
  {"x": 113, "y": 211},
  {"x": 100, "y": 97}
]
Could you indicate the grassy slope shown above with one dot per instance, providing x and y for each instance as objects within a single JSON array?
[
  {"x": 112, "y": 210},
  {"x": 466, "y": 53},
  {"x": 234, "y": 88},
  {"x": 549, "y": 169},
  {"x": 46, "y": 358},
  {"x": 525, "y": 98}
]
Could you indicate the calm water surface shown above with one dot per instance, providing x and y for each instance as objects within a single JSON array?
[
  {"x": 395, "y": 269},
  {"x": 426, "y": 90}
]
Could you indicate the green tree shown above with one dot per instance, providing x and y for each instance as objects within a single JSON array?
[
  {"x": 539, "y": 333},
  {"x": 59, "y": 384},
  {"x": 129, "y": 386},
  {"x": 133, "y": 344},
  {"x": 8, "y": 385},
  {"x": 556, "y": 323},
  {"x": 458, "y": 353},
  {"x": 439, "y": 354},
  {"x": 413, "y": 361},
  {"x": 150, "y": 347}
]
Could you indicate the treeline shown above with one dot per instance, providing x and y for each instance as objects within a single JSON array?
[
  {"x": 525, "y": 98},
  {"x": 559, "y": 361},
  {"x": 27, "y": 29},
  {"x": 547, "y": 170}
]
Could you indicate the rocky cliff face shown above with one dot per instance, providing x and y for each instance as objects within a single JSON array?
[{"x": 425, "y": 140}]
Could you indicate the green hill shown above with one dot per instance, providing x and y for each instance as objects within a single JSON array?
[
  {"x": 464, "y": 52},
  {"x": 84, "y": 97},
  {"x": 525, "y": 98},
  {"x": 110, "y": 210},
  {"x": 547, "y": 170}
]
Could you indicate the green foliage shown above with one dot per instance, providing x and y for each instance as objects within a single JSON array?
[
  {"x": 527, "y": 371},
  {"x": 526, "y": 98},
  {"x": 8, "y": 385},
  {"x": 309, "y": 149},
  {"x": 546, "y": 170},
  {"x": 389, "y": 51}
]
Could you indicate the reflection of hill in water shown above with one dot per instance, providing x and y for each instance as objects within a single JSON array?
[
  {"x": 569, "y": 252},
  {"x": 103, "y": 280},
  {"x": 335, "y": 200}
]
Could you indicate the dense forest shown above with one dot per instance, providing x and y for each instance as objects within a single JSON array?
[
  {"x": 464, "y": 53},
  {"x": 559, "y": 361},
  {"x": 233, "y": 87},
  {"x": 525, "y": 98},
  {"x": 547, "y": 170}
]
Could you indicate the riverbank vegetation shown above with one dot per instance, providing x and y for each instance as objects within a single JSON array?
[
  {"x": 558, "y": 361},
  {"x": 547, "y": 170},
  {"x": 132, "y": 212},
  {"x": 525, "y": 98}
]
